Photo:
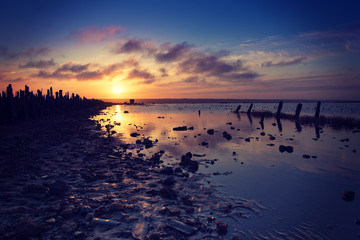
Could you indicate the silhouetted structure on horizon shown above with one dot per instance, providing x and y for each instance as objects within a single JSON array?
[{"x": 26, "y": 105}]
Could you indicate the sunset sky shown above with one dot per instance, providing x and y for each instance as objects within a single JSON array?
[{"x": 183, "y": 49}]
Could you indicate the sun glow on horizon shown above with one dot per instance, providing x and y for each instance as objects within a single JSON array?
[{"x": 118, "y": 89}]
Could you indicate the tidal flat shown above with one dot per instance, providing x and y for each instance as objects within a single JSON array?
[{"x": 170, "y": 172}]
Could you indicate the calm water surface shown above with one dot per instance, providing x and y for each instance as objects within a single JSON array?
[{"x": 295, "y": 190}]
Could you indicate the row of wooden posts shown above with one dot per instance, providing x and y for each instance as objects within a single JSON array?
[
  {"x": 278, "y": 112},
  {"x": 26, "y": 105}
]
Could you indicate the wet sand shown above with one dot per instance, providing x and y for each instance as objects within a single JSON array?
[{"x": 61, "y": 179}]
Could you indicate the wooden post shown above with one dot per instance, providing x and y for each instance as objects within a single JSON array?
[
  {"x": 249, "y": 110},
  {"x": 317, "y": 113},
  {"x": 279, "y": 109},
  {"x": 298, "y": 110},
  {"x": 238, "y": 109}
]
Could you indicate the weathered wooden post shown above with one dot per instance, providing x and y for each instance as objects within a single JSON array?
[
  {"x": 298, "y": 110},
  {"x": 238, "y": 109},
  {"x": 262, "y": 122},
  {"x": 279, "y": 124},
  {"x": 317, "y": 113},
  {"x": 250, "y": 107},
  {"x": 279, "y": 109}
]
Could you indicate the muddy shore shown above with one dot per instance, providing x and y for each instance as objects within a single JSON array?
[{"x": 61, "y": 178}]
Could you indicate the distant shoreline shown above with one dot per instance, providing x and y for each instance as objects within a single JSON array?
[{"x": 208, "y": 100}]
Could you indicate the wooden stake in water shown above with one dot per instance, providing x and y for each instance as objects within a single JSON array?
[
  {"x": 279, "y": 109},
  {"x": 298, "y": 110},
  {"x": 249, "y": 110},
  {"x": 317, "y": 113}
]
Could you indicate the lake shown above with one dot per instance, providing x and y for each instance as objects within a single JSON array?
[{"x": 300, "y": 185}]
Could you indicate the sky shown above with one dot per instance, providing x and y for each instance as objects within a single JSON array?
[{"x": 183, "y": 49}]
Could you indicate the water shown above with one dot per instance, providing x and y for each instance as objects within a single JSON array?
[
  {"x": 299, "y": 192},
  {"x": 345, "y": 109}
]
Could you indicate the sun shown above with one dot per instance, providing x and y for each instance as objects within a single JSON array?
[{"x": 117, "y": 89}]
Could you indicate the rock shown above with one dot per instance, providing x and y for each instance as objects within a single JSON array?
[
  {"x": 229, "y": 123},
  {"x": 271, "y": 137},
  {"x": 168, "y": 182},
  {"x": 186, "y": 161},
  {"x": 79, "y": 235},
  {"x": 51, "y": 221},
  {"x": 148, "y": 143},
  {"x": 288, "y": 149},
  {"x": 236, "y": 237},
  {"x": 183, "y": 128},
  {"x": 262, "y": 134},
  {"x": 28, "y": 229},
  {"x": 102, "y": 221},
  {"x": 348, "y": 196},
  {"x": 168, "y": 193},
  {"x": 126, "y": 111},
  {"x": 306, "y": 156},
  {"x": 173, "y": 211},
  {"x": 191, "y": 128},
  {"x": 58, "y": 188},
  {"x": 181, "y": 227},
  {"x": 134, "y": 134},
  {"x": 140, "y": 230},
  {"x": 167, "y": 170},
  {"x": 227, "y": 135},
  {"x": 247, "y": 139},
  {"x": 211, "y": 131},
  {"x": 69, "y": 227},
  {"x": 155, "y": 236},
  {"x": 204, "y": 144},
  {"x": 221, "y": 227}
]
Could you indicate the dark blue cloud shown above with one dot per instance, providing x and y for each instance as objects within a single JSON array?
[
  {"x": 29, "y": 53},
  {"x": 210, "y": 65},
  {"x": 173, "y": 53},
  {"x": 38, "y": 64},
  {"x": 284, "y": 63},
  {"x": 140, "y": 74},
  {"x": 71, "y": 67}
]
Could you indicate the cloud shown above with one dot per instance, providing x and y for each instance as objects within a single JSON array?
[
  {"x": 89, "y": 75},
  {"x": 340, "y": 32},
  {"x": 241, "y": 77},
  {"x": 163, "y": 72},
  {"x": 39, "y": 64},
  {"x": 191, "y": 79},
  {"x": 141, "y": 74},
  {"x": 128, "y": 63},
  {"x": 284, "y": 63},
  {"x": 71, "y": 67},
  {"x": 173, "y": 53},
  {"x": 134, "y": 45},
  {"x": 54, "y": 75},
  {"x": 81, "y": 72},
  {"x": 29, "y": 53},
  {"x": 95, "y": 34},
  {"x": 210, "y": 65}
]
